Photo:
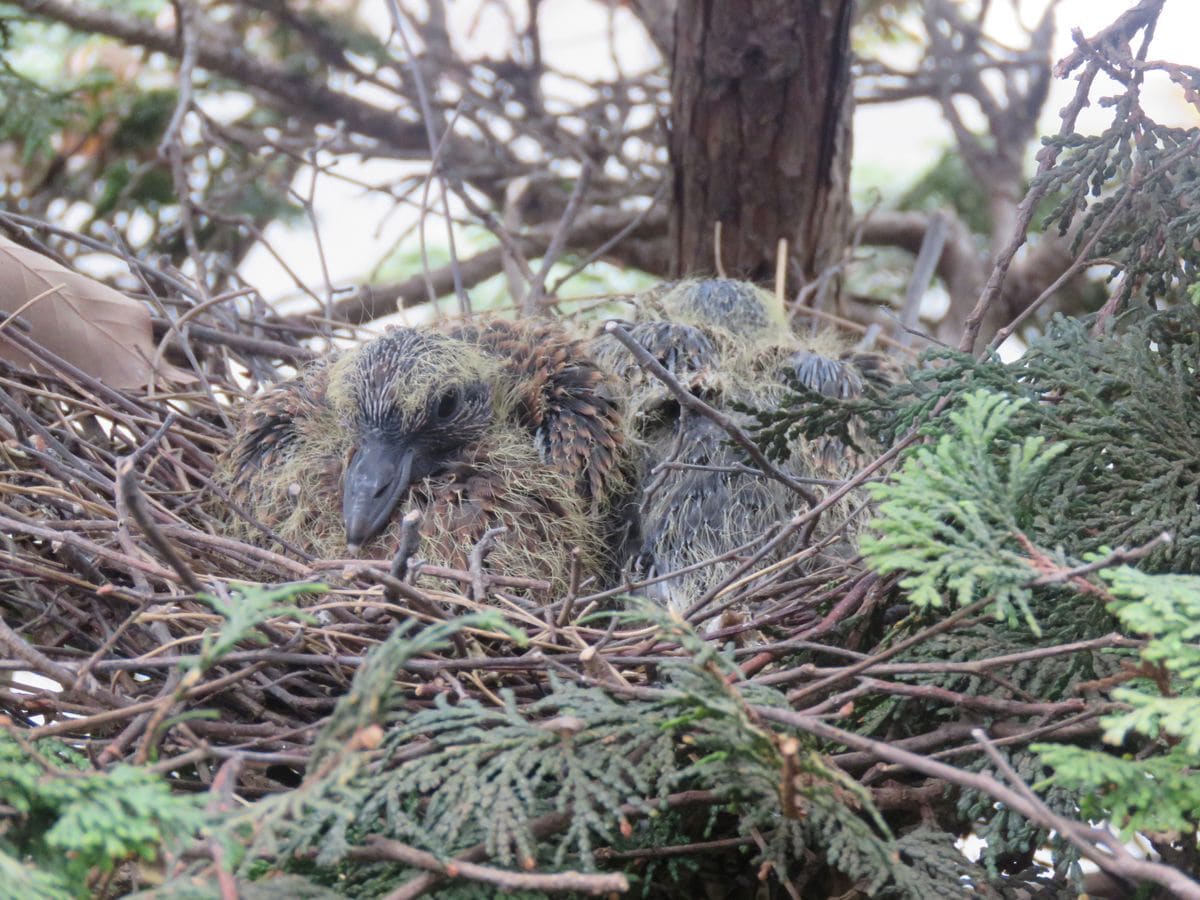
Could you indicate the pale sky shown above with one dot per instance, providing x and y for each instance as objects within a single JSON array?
[{"x": 356, "y": 230}]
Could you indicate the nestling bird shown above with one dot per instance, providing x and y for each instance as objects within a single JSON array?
[
  {"x": 727, "y": 342},
  {"x": 499, "y": 424}
]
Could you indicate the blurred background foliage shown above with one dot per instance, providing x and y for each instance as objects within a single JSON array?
[{"x": 84, "y": 115}]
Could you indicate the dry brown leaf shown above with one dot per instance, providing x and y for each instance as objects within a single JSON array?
[{"x": 92, "y": 326}]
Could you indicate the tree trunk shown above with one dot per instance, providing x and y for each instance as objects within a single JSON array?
[{"x": 760, "y": 136}]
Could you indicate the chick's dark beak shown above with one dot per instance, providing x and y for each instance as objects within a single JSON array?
[{"x": 378, "y": 476}]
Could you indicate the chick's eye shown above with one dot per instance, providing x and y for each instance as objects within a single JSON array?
[{"x": 447, "y": 405}]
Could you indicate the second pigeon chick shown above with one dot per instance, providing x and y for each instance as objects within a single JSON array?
[{"x": 729, "y": 343}]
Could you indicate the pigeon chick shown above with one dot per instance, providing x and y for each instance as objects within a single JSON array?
[
  {"x": 727, "y": 342},
  {"x": 505, "y": 424}
]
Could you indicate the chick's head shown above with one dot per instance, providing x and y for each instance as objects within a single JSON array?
[{"x": 412, "y": 402}]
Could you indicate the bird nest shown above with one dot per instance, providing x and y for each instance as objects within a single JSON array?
[{"x": 120, "y": 581}]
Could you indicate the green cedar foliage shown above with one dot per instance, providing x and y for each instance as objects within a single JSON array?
[
  {"x": 66, "y": 823},
  {"x": 29, "y": 114},
  {"x": 1155, "y": 785},
  {"x": 1026, "y": 471},
  {"x": 545, "y": 784},
  {"x": 956, "y": 514},
  {"x": 88, "y": 126},
  {"x": 1122, "y": 404},
  {"x": 1132, "y": 190},
  {"x": 1138, "y": 186},
  {"x": 244, "y": 612}
]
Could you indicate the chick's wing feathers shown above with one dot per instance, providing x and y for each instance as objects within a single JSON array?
[
  {"x": 563, "y": 398},
  {"x": 268, "y": 432}
]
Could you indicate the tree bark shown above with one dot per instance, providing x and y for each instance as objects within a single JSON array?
[{"x": 760, "y": 136}]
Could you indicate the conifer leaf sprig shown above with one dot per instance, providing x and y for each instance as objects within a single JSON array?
[
  {"x": 600, "y": 763},
  {"x": 245, "y": 610},
  {"x": 955, "y": 516},
  {"x": 65, "y": 822},
  {"x": 1156, "y": 789}
]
